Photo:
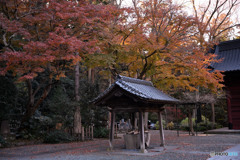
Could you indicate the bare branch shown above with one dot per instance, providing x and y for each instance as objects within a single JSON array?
[{"x": 230, "y": 27}]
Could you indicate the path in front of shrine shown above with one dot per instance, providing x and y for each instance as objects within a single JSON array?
[{"x": 184, "y": 147}]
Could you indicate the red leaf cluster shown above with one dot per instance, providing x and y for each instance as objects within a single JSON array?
[{"x": 48, "y": 35}]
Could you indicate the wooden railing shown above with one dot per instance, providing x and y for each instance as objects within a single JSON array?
[{"x": 87, "y": 133}]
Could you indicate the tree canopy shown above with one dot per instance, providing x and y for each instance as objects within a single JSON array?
[{"x": 42, "y": 41}]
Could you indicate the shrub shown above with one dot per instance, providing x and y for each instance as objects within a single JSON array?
[
  {"x": 170, "y": 125},
  {"x": 218, "y": 126},
  {"x": 37, "y": 126},
  {"x": 3, "y": 143},
  {"x": 202, "y": 126},
  {"x": 185, "y": 128},
  {"x": 157, "y": 124},
  {"x": 58, "y": 137},
  {"x": 101, "y": 133},
  {"x": 184, "y": 122}
]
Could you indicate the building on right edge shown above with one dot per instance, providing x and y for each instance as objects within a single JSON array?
[{"x": 229, "y": 53}]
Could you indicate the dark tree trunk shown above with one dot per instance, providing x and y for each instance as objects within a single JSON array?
[{"x": 33, "y": 105}]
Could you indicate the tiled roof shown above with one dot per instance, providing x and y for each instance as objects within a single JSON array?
[
  {"x": 140, "y": 88},
  {"x": 229, "y": 55}
]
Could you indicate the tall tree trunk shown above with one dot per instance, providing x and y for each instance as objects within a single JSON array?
[
  {"x": 77, "y": 114},
  {"x": 109, "y": 113},
  {"x": 89, "y": 74},
  {"x": 93, "y": 76}
]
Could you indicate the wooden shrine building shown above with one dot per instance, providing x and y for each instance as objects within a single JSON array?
[
  {"x": 229, "y": 53},
  {"x": 134, "y": 95}
]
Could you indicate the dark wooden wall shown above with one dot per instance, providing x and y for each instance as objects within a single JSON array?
[{"x": 232, "y": 82}]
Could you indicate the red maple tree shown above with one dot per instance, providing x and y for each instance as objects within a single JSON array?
[{"x": 41, "y": 38}]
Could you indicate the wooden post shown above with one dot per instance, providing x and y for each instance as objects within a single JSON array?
[
  {"x": 112, "y": 130},
  {"x": 146, "y": 120},
  {"x": 177, "y": 120},
  {"x": 166, "y": 120},
  {"x": 213, "y": 115},
  {"x": 86, "y": 133},
  {"x": 142, "y": 137},
  {"x": 230, "y": 125},
  {"x": 136, "y": 121},
  {"x": 109, "y": 119},
  {"x": 82, "y": 133},
  {"x": 132, "y": 121},
  {"x": 116, "y": 130},
  {"x": 92, "y": 132},
  {"x": 161, "y": 129},
  {"x": 195, "y": 116},
  {"x": 89, "y": 132}
]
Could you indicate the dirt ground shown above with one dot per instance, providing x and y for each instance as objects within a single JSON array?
[{"x": 184, "y": 147}]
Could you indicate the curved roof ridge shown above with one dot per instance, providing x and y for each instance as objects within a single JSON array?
[
  {"x": 229, "y": 45},
  {"x": 143, "y": 90},
  {"x": 127, "y": 87},
  {"x": 229, "y": 54},
  {"x": 134, "y": 80}
]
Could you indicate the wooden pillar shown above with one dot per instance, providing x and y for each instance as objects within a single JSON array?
[
  {"x": 230, "y": 125},
  {"x": 213, "y": 115},
  {"x": 86, "y": 132},
  {"x": 161, "y": 129},
  {"x": 132, "y": 121},
  {"x": 116, "y": 127},
  {"x": 112, "y": 130},
  {"x": 136, "y": 121},
  {"x": 166, "y": 120},
  {"x": 177, "y": 120},
  {"x": 91, "y": 131},
  {"x": 83, "y": 134},
  {"x": 195, "y": 116},
  {"x": 109, "y": 120},
  {"x": 142, "y": 137},
  {"x": 146, "y": 120}
]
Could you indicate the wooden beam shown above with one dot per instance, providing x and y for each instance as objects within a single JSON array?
[
  {"x": 111, "y": 137},
  {"x": 142, "y": 137},
  {"x": 132, "y": 110},
  {"x": 162, "y": 143}
]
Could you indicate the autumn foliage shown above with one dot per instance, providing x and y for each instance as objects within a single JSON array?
[
  {"x": 156, "y": 40},
  {"x": 159, "y": 43},
  {"x": 48, "y": 35},
  {"x": 45, "y": 38}
]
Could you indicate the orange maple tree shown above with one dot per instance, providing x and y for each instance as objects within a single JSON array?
[{"x": 157, "y": 43}]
